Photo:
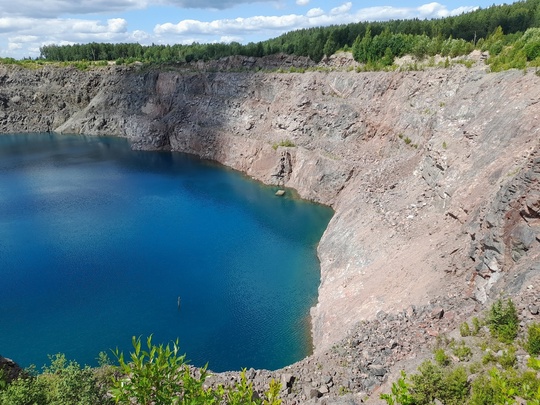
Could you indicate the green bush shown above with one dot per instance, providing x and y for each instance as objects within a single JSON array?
[
  {"x": 62, "y": 383},
  {"x": 464, "y": 329},
  {"x": 461, "y": 351},
  {"x": 476, "y": 326},
  {"x": 157, "y": 375},
  {"x": 503, "y": 321},
  {"x": 441, "y": 358},
  {"x": 532, "y": 345},
  {"x": 160, "y": 375},
  {"x": 450, "y": 387},
  {"x": 401, "y": 393},
  {"x": 508, "y": 358},
  {"x": 24, "y": 391}
]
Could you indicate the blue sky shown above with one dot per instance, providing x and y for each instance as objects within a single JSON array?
[{"x": 26, "y": 25}]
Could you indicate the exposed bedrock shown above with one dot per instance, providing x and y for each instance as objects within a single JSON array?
[{"x": 433, "y": 175}]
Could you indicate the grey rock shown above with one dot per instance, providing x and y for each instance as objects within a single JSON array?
[
  {"x": 311, "y": 392},
  {"x": 10, "y": 369},
  {"x": 377, "y": 370},
  {"x": 287, "y": 380},
  {"x": 437, "y": 313}
]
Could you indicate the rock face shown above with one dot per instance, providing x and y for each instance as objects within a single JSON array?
[
  {"x": 434, "y": 175},
  {"x": 9, "y": 369}
]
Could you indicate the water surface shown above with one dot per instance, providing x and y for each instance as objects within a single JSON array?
[{"x": 97, "y": 242}]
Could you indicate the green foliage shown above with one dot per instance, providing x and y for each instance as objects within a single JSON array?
[
  {"x": 272, "y": 395},
  {"x": 464, "y": 329},
  {"x": 241, "y": 394},
  {"x": 476, "y": 326},
  {"x": 508, "y": 358},
  {"x": 285, "y": 143},
  {"x": 25, "y": 391},
  {"x": 159, "y": 374},
  {"x": 461, "y": 351},
  {"x": 3, "y": 380},
  {"x": 497, "y": 379},
  {"x": 154, "y": 375},
  {"x": 532, "y": 345},
  {"x": 441, "y": 358},
  {"x": 401, "y": 393},
  {"x": 534, "y": 363},
  {"x": 62, "y": 383},
  {"x": 433, "y": 382},
  {"x": 489, "y": 357},
  {"x": 503, "y": 321},
  {"x": 515, "y": 51},
  {"x": 501, "y": 387},
  {"x": 103, "y": 359}
]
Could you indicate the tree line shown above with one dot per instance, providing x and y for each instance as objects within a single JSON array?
[{"x": 369, "y": 42}]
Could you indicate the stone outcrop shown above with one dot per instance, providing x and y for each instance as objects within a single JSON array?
[
  {"x": 433, "y": 175},
  {"x": 9, "y": 370}
]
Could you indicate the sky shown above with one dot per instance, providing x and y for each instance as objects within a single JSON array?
[{"x": 26, "y": 25}]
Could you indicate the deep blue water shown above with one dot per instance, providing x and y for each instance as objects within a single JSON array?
[{"x": 97, "y": 242}]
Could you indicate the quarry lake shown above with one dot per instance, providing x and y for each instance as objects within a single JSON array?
[{"x": 99, "y": 243}]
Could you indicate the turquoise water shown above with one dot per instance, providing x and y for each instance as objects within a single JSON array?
[{"x": 97, "y": 242}]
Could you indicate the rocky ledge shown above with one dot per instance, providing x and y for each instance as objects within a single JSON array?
[{"x": 434, "y": 177}]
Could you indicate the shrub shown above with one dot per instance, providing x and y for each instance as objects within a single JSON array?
[
  {"x": 476, "y": 326},
  {"x": 532, "y": 345},
  {"x": 534, "y": 363},
  {"x": 464, "y": 329},
  {"x": 489, "y": 357},
  {"x": 508, "y": 358},
  {"x": 24, "y": 391},
  {"x": 461, "y": 351},
  {"x": 456, "y": 388},
  {"x": 434, "y": 383},
  {"x": 401, "y": 393},
  {"x": 157, "y": 375},
  {"x": 503, "y": 321},
  {"x": 160, "y": 375},
  {"x": 63, "y": 382},
  {"x": 428, "y": 383},
  {"x": 441, "y": 358}
]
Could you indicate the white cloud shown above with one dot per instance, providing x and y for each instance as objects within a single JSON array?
[
  {"x": 115, "y": 25},
  {"x": 139, "y": 36},
  {"x": 302, "y": 2},
  {"x": 425, "y": 11},
  {"x": 345, "y": 8},
  {"x": 461, "y": 10},
  {"x": 56, "y": 8},
  {"x": 27, "y": 35},
  {"x": 10, "y": 24},
  {"x": 315, "y": 12},
  {"x": 237, "y": 25},
  {"x": 227, "y": 39},
  {"x": 24, "y": 38},
  {"x": 12, "y": 46}
]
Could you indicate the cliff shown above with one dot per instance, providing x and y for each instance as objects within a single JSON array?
[{"x": 434, "y": 175}]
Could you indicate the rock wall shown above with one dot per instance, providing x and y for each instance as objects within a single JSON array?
[{"x": 433, "y": 175}]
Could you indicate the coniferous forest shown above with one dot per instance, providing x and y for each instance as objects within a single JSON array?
[{"x": 510, "y": 32}]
